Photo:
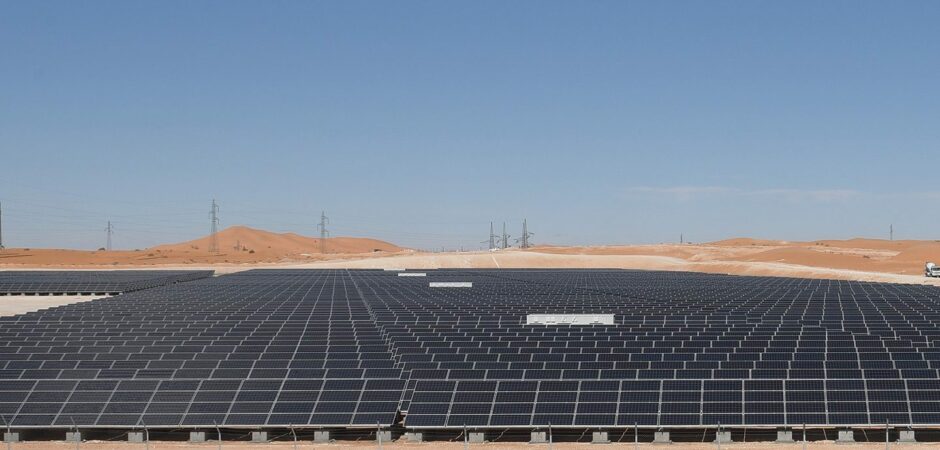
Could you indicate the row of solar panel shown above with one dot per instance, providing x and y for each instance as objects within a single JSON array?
[
  {"x": 669, "y": 385},
  {"x": 483, "y": 370},
  {"x": 676, "y": 365},
  {"x": 672, "y": 374},
  {"x": 172, "y": 420},
  {"x": 197, "y": 374},
  {"x": 631, "y": 419},
  {"x": 76, "y": 282},
  {"x": 293, "y": 384}
]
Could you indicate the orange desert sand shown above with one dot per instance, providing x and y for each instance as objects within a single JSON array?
[
  {"x": 237, "y": 245},
  {"x": 243, "y": 248}
]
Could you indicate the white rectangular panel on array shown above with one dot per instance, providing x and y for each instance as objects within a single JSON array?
[
  {"x": 569, "y": 319},
  {"x": 412, "y": 274},
  {"x": 451, "y": 284}
]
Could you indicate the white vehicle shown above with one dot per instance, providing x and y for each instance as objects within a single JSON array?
[{"x": 932, "y": 270}]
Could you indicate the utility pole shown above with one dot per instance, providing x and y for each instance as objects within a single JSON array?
[
  {"x": 110, "y": 231},
  {"x": 1, "y": 226},
  {"x": 213, "y": 236},
  {"x": 324, "y": 233},
  {"x": 505, "y": 237}
]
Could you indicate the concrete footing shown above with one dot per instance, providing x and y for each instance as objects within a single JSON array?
[
  {"x": 906, "y": 437},
  {"x": 784, "y": 435},
  {"x": 722, "y": 437},
  {"x": 321, "y": 437},
  {"x": 259, "y": 436},
  {"x": 846, "y": 437},
  {"x": 538, "y": 437},
  {"x": 414, "y": 437},
  {"x": 661, "y": 437}
]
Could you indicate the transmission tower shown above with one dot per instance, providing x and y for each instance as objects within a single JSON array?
[
  {"x": 493, "y": 238},
  {"x": 324, "y": 233},
  {"x": 505, "y": 239},
  {"x": 110, "y": 231},
  {"x": 213, "y": 236},
  {"x": 890, "y": 233},
  {"x": 1, "y": 227},
  {"x": 524, "y": 240}
]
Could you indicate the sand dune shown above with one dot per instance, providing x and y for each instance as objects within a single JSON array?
[
  {"x": 243, "y": 248},
  {"x": 273, "y": 245},
  {"x": 237, "y": 245},
  {"x": 863, "y": 255}
]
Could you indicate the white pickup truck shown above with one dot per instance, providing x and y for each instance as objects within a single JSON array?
[{"x": 932, "y": 270}]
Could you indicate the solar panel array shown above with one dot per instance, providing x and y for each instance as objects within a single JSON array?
[
  {"x": 688, "y": 350},
  {"x": 336, "y": 348},
  {"x": 32, "y": 282},
  {"x": 249, "y": 349}
]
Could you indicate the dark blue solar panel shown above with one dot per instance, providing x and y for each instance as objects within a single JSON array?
[
  {"x": 352, "y": 348},
  {"x": 56, "y": 282},
  {"x": 271, "y": 348}
]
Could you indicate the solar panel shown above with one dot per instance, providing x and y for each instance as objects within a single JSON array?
[
  {"x": 353, "y": 348},
  {"x": 686, "y": 349},
  {"x": 88, "y": 282},
  {"x": 260, "y": 348}
]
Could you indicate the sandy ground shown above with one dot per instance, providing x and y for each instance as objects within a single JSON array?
[
  {"x": 11, "y": 305},
  {"x": 540, "y": 259},
  {"x": 245, "y": 248},
  {"x": 237, "y": 245},
  {"x": 402, "y": 445}
]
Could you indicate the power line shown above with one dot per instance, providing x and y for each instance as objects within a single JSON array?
[
  {"x": 213, "y": 236},
  {"x": 110, "y": 231},
  {"x": 324, "y": 233}
]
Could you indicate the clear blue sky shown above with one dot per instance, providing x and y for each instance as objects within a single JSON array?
[{"x": 420, "y": 122}]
